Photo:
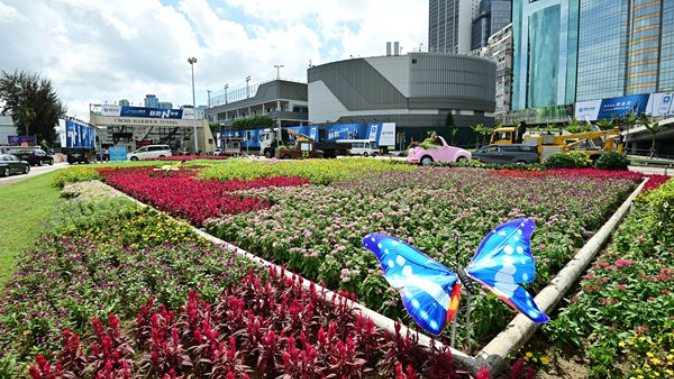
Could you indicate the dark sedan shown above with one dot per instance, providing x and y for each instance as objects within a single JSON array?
[
  {"x": 11, "y": 164},
  {"x": 515, "y": 153},
  {"x": 33, "y": 155}
]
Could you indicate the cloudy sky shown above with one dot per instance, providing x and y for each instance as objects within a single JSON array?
[{"x": 95, "y": 51}]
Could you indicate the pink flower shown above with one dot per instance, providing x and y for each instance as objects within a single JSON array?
[
  {"x": 542, "y": 246},
  {"x": 624, "y": 262},
  {"x": 621, "y": 287}
]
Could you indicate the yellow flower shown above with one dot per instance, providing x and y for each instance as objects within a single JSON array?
[
  {"x": 534, "y": 359},
  {"x": 656, "y": 361},
  {"x": 649, "y": 354},
  {"x": 545, "y": 360},
  {"x": 638, "y": 371},
  {"x": 670, "y": 372},
  {"x": 529, "y": 355},
  {"x": 621, "y": 344}
]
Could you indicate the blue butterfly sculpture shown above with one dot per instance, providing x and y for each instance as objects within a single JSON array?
[{"x": 431, "y": 292}]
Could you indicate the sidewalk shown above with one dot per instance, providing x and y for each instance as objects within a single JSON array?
[{"x": 653, "y": 170}]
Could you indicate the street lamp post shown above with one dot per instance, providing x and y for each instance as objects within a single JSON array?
[
  {"x": 226, "y": 86},
  {"x": 192, "y": 61},
  {"x": 209, "y": 97},
  {"x": 278, "y": 71},
  {"x": 247, "y": 80}
]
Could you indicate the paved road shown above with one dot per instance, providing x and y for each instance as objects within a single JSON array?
[
  {"x": 653, "y": 170},
  {"x": 34, "y": 171}
]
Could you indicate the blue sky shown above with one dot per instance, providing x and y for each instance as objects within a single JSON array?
[{"x": 100, "y": 50}]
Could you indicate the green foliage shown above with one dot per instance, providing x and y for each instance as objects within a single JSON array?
[
  {"x": 33, "y": 102},
  {"x": 612, "y": 160},
  {"x": 73, "y": 175},
  {"x": 253, "y": 122},
  {"x": 560, "y": 160},
  {"x": 581, "y": 159},
  {"x": 661, "y": 202},
  {"x": 491, "y": 166}
]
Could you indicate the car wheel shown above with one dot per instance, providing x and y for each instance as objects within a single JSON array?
[
  {"x": 51, "y": 162},
  {"x": 286, "y": 156},
  {"x": 521, "y": 162},
  {"x": 461, "y": 159},
  {"x": 267, "y": 154},
  {"x": 5, "y": 171},
  {"x": 39, "y": 163},
  {"x": 426, "y": 161},
  {"x": 365, "y": 154},
  {"x": 26, "y": 170},
  {"x": 162, "y": 156},
  {"x": 134, "y": 159}
]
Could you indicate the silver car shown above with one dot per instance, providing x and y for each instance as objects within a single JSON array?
[{"x": 150, "y": 152}]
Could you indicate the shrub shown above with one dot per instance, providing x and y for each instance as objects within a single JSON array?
[
  {"x": 613, "y": 161},
  {"x": 560, "y": 160},
  {"x": 73, "y": 175},
  {"x": 581, "y": 159}
]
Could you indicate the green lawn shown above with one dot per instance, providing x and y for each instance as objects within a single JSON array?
[{"x": 23, "y": 208}]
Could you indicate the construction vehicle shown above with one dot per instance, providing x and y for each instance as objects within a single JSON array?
[
  {"x": 593, "y": 144},
  {"x": 273, "y": 140},
  {"x": 304, "y": 147}
]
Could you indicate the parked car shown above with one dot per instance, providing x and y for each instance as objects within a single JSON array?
[
  {"x": 33, "y": 155},
  {"x": 11, "y": 164},
  {"x": 440, "y": 151},
  {"x": 515, "y": 153},
  {"x": 150, "y": 152}
]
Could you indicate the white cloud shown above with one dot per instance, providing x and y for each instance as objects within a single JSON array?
[{"x": 96, "y": 50}]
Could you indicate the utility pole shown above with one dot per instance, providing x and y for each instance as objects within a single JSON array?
[{"x": 192, "y": 61}]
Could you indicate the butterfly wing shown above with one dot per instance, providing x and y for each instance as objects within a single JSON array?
[
  {"x": 429, "y": 290},
  {"x": 504, "y": 259}
]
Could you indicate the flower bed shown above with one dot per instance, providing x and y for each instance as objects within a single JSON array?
[
  {"x": 317, "y": 171},
  {"x": 623, "y": 315},
  {"x": 195, "y": 200},
  {"x": 444, "y": 212},
  {"x": 100, "y": 257},
  {"x": 271, "y": 329}
]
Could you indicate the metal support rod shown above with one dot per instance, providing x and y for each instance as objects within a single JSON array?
[{"x": 192, "y": 61}]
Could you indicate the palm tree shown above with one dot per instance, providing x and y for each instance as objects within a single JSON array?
[
  {"x": 481, "y": 132},
  {"x": 606, "y": 124},
  {"x": 629, "y": 119},
  {"x": 26, "y": 116},
  {"x": 654, "y": 127}
]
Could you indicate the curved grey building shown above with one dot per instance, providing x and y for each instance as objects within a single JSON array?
[{"x": 416, "y": 91}]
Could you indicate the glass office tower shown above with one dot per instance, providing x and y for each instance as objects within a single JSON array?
[
  {"x": 545, "y": 41},
  {"x": 493, "y": 16},
  {"x": 667, "y": 48}
]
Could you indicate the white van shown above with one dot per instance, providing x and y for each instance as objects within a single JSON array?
[
  {"x": 364, "y": 147},
  {"x": 150, "y": 152}
]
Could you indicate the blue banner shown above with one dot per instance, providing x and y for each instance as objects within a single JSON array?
[
  {"x": 117, "y": 153},
  {"x": 128, "y": 111},
  {"x": 622, "y": 105},
  {"x": 18, "y": 140},
  {"x": 347, "y": 131},
  {"x": 251, "y": 138},
  {"x": 310, "y": 131},
  {"x": 80, "y": 135}
]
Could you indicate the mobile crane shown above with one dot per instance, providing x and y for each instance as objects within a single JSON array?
[{"x": 593, "y": 144}]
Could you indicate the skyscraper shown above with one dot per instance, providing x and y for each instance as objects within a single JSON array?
[
  {"x": 151, "y": 101},
  {"x": 545, "y": 46},
  {"x": 449, "y": 25},
  {"x": 570, "y": 50},
  {"x": 493, "y": 15}
]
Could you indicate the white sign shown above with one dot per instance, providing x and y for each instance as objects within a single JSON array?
[
  {"x": 587, "y": 110},
  {"x": 111, "y": 110},
  {"x": 388, "y": 134},
  {"x": 660, "y": 104}
]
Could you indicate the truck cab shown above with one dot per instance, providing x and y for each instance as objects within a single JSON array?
[{"x": 303, "y": 148}]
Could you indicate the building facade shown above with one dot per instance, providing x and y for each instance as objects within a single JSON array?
[
  {"x": 570, "y": 50},
  {"x": 449, "y": 25},
  {"x": 493, "y": 15},
  {"x": 500, "y": 51},
  {"x": 417, "y": 91},
  {"x": 165, "y": 105},
  {"x": 151, "y": 101},
  {"x": 545, "y": 43},
  {"x": 283, "y": 101}
]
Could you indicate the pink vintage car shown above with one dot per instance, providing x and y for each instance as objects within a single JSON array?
[{"x": 441, "y": 153}]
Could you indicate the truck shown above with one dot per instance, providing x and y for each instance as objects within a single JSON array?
[
  {"x": 230, "y": 146},
  {"x": 593, "y": 144},
  {"x": 304, "y": 147},
  {"x": 275, "y": 139},
  {"x": 78, "y": 140},
  {"x": 436, "y": 149}
]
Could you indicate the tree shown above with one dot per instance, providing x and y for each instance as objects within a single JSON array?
[
  {"x": 574, "y": 126},
  {"x": 626, "y": 121},
  {"x": 33, "y": 103},
  {"x": 654, "y": 127},
  {"x": 481, "y": 132},
  {"x": 606, "y": 124}
]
